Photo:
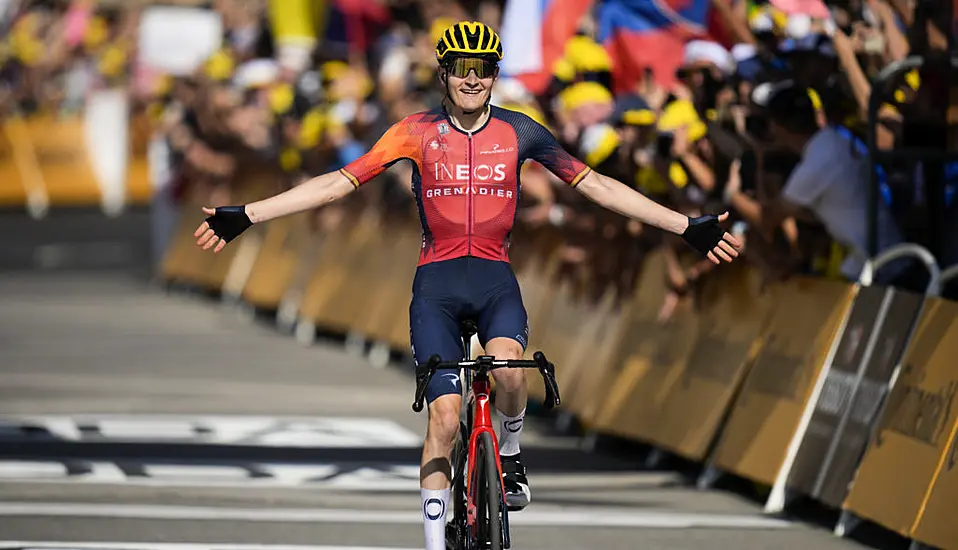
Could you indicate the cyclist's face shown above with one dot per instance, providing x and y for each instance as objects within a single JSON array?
[{"x": 470, "y": 92}]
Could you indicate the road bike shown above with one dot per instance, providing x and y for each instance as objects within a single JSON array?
[{"x": 480, "y": 518}]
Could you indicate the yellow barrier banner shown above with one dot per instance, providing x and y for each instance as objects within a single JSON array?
[
  {"x": 560, "y": 332},
  {"x": 182, "y": 253},
  {"x": 602, "y": 331},
  {"x": 733, "y": 313},
  {"x": 12, "y": 189},
  {"x": 937, "y": 526},
  {"x": 806, "y": 319},
  {"x": 277, "y": 261},
  {"x": 913, "y": 443},
  {"x": 650, "y": 360},
  {"x": 58, "y": 148},
  {"x": 390, "y": 291},
  {"x": 45, "y": 159},
  {"x": 326, "y": 302},
  {"x": 534, "y": 274}
]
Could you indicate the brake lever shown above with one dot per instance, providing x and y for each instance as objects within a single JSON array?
[
  {"x": 424, "y": 375},
  {"x": 547, "y": 370}
]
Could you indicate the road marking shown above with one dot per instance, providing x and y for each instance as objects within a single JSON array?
[
  {"x": 28, "y": 545},
  {"x": 384, "y": 477},
  {"x": 563, "y": 517},
  {"x": 358, "y": 477},
  {"x": 260, "y": 431}
]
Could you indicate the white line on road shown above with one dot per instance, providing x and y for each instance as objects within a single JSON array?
[
  {"x": 259, "y": 431},
  {"x": 565, "y": 517},
  {"x": 5, "y": 544}
]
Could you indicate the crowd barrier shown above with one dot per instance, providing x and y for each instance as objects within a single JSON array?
[
  {"x": 842, "y": 392},
  {"x": 74, "y": 161}
]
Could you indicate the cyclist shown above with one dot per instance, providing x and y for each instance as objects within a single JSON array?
[{"x": 466, "y": 157}]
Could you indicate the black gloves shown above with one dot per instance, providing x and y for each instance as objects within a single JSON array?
[
  {"x": 704, "y": 233},
  {"x": 229, "y": 221}
]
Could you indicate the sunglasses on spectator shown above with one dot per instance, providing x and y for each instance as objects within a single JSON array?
[{"x": 462, "y": 66}]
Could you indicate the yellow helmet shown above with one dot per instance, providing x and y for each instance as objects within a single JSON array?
[{"x": 469, "y": 38}]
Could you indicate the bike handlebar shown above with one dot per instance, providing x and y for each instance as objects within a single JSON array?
[{"x": 484, "y": 364}]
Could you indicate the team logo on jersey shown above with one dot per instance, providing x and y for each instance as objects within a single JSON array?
[
  {"x": 461, "y": 172},
  {"x": 443, "y": 128}
]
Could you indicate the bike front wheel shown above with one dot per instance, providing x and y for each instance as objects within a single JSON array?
[{"x": 488, "y": 495}]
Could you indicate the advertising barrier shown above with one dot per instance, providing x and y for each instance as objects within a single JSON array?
[
  {"x": 602, "y": 331},
  {"x": 798, "y": 342},
  {"x": 916, "y": 426},
  {"x": 329, "y": 297},
  {"x": 49, "y": 161},
  {"x": 936, "y": 525},
  {"x": 733, "y": 313},
  {"x": 650, "y": 358},
  {"x": 277, "y": 261},
  {"x": 13, "y": 191},
  {"x": 841, "y": 416}
]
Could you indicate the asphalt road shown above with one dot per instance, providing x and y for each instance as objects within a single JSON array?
[{"x": 134, "y": 419}]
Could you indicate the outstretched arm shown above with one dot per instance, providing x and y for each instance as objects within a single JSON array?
[
  {"x": 618, "y": 197},
  {"x": 226, "y": 223},
  {"x": 703, "y": 233},
  {"x": 313, "y": 193}
]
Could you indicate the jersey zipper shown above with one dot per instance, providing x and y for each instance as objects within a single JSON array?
[{"x": 469, "y": 193}]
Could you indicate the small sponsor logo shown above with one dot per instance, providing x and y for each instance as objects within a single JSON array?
[
  {"x": 443, "y": 128},
  {"x": 496, "y": 150},
  {"x": 433, "y": 508},
  {"x": 513, "y": 426},
  {"x": 452, "y": 378}
]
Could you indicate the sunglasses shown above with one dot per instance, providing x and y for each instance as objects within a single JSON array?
[{"x": 462, "y": 66}]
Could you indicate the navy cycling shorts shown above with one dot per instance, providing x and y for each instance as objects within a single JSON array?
[{"x": 446, "y": 292}]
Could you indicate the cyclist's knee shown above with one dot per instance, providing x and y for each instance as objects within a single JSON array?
[
  {"x": 444, "y": 419},
  {"x": 507, "y": 380},
  {"x": 504, "y": 348}
]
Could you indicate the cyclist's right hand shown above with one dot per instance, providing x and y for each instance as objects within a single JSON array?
[{"x": 222, "y": 226}]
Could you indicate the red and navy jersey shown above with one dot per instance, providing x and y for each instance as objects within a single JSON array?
[{"x": 466, "y": 184}]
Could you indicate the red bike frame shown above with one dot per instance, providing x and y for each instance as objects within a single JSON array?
[{"x": 482, "y": 422}]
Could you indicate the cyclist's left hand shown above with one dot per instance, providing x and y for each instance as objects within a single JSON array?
[{"x": 712, "y": 241}]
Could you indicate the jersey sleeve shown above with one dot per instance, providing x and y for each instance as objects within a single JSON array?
[
  {"x": 538, "y": 144},
  {"x": 399, "y": 142}
]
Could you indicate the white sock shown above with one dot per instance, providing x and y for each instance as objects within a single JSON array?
[
  {"x": 509, "y": 433},
  {"x": 434, "y": 504}
]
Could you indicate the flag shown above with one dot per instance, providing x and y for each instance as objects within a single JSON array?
[
  {"x": 534, "y": 34},
  {"x": 651, "y": 34}
]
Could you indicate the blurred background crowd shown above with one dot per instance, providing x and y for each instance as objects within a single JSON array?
[{"x": 758, "y": 107}]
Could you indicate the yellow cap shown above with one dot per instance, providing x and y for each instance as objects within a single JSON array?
[
  {"x": 96, "y": 33},
  {"x": 220, "y": 66},
  {"x": 639, "y": 117},
  {"x": 331, "y": 70},
  {"x": 563, "y": 70},
  {"x": 112, "y": 61},
  {"x": 280, "y": 98},
  {"x": 587, "y": 55},
  {"x": 681, "y": 113},
  {"x": 583, "y": 93},
  {"x": 311, "y": 128}
]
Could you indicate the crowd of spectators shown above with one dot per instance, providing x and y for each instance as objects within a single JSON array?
[{"x": 772, "y": 125}]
